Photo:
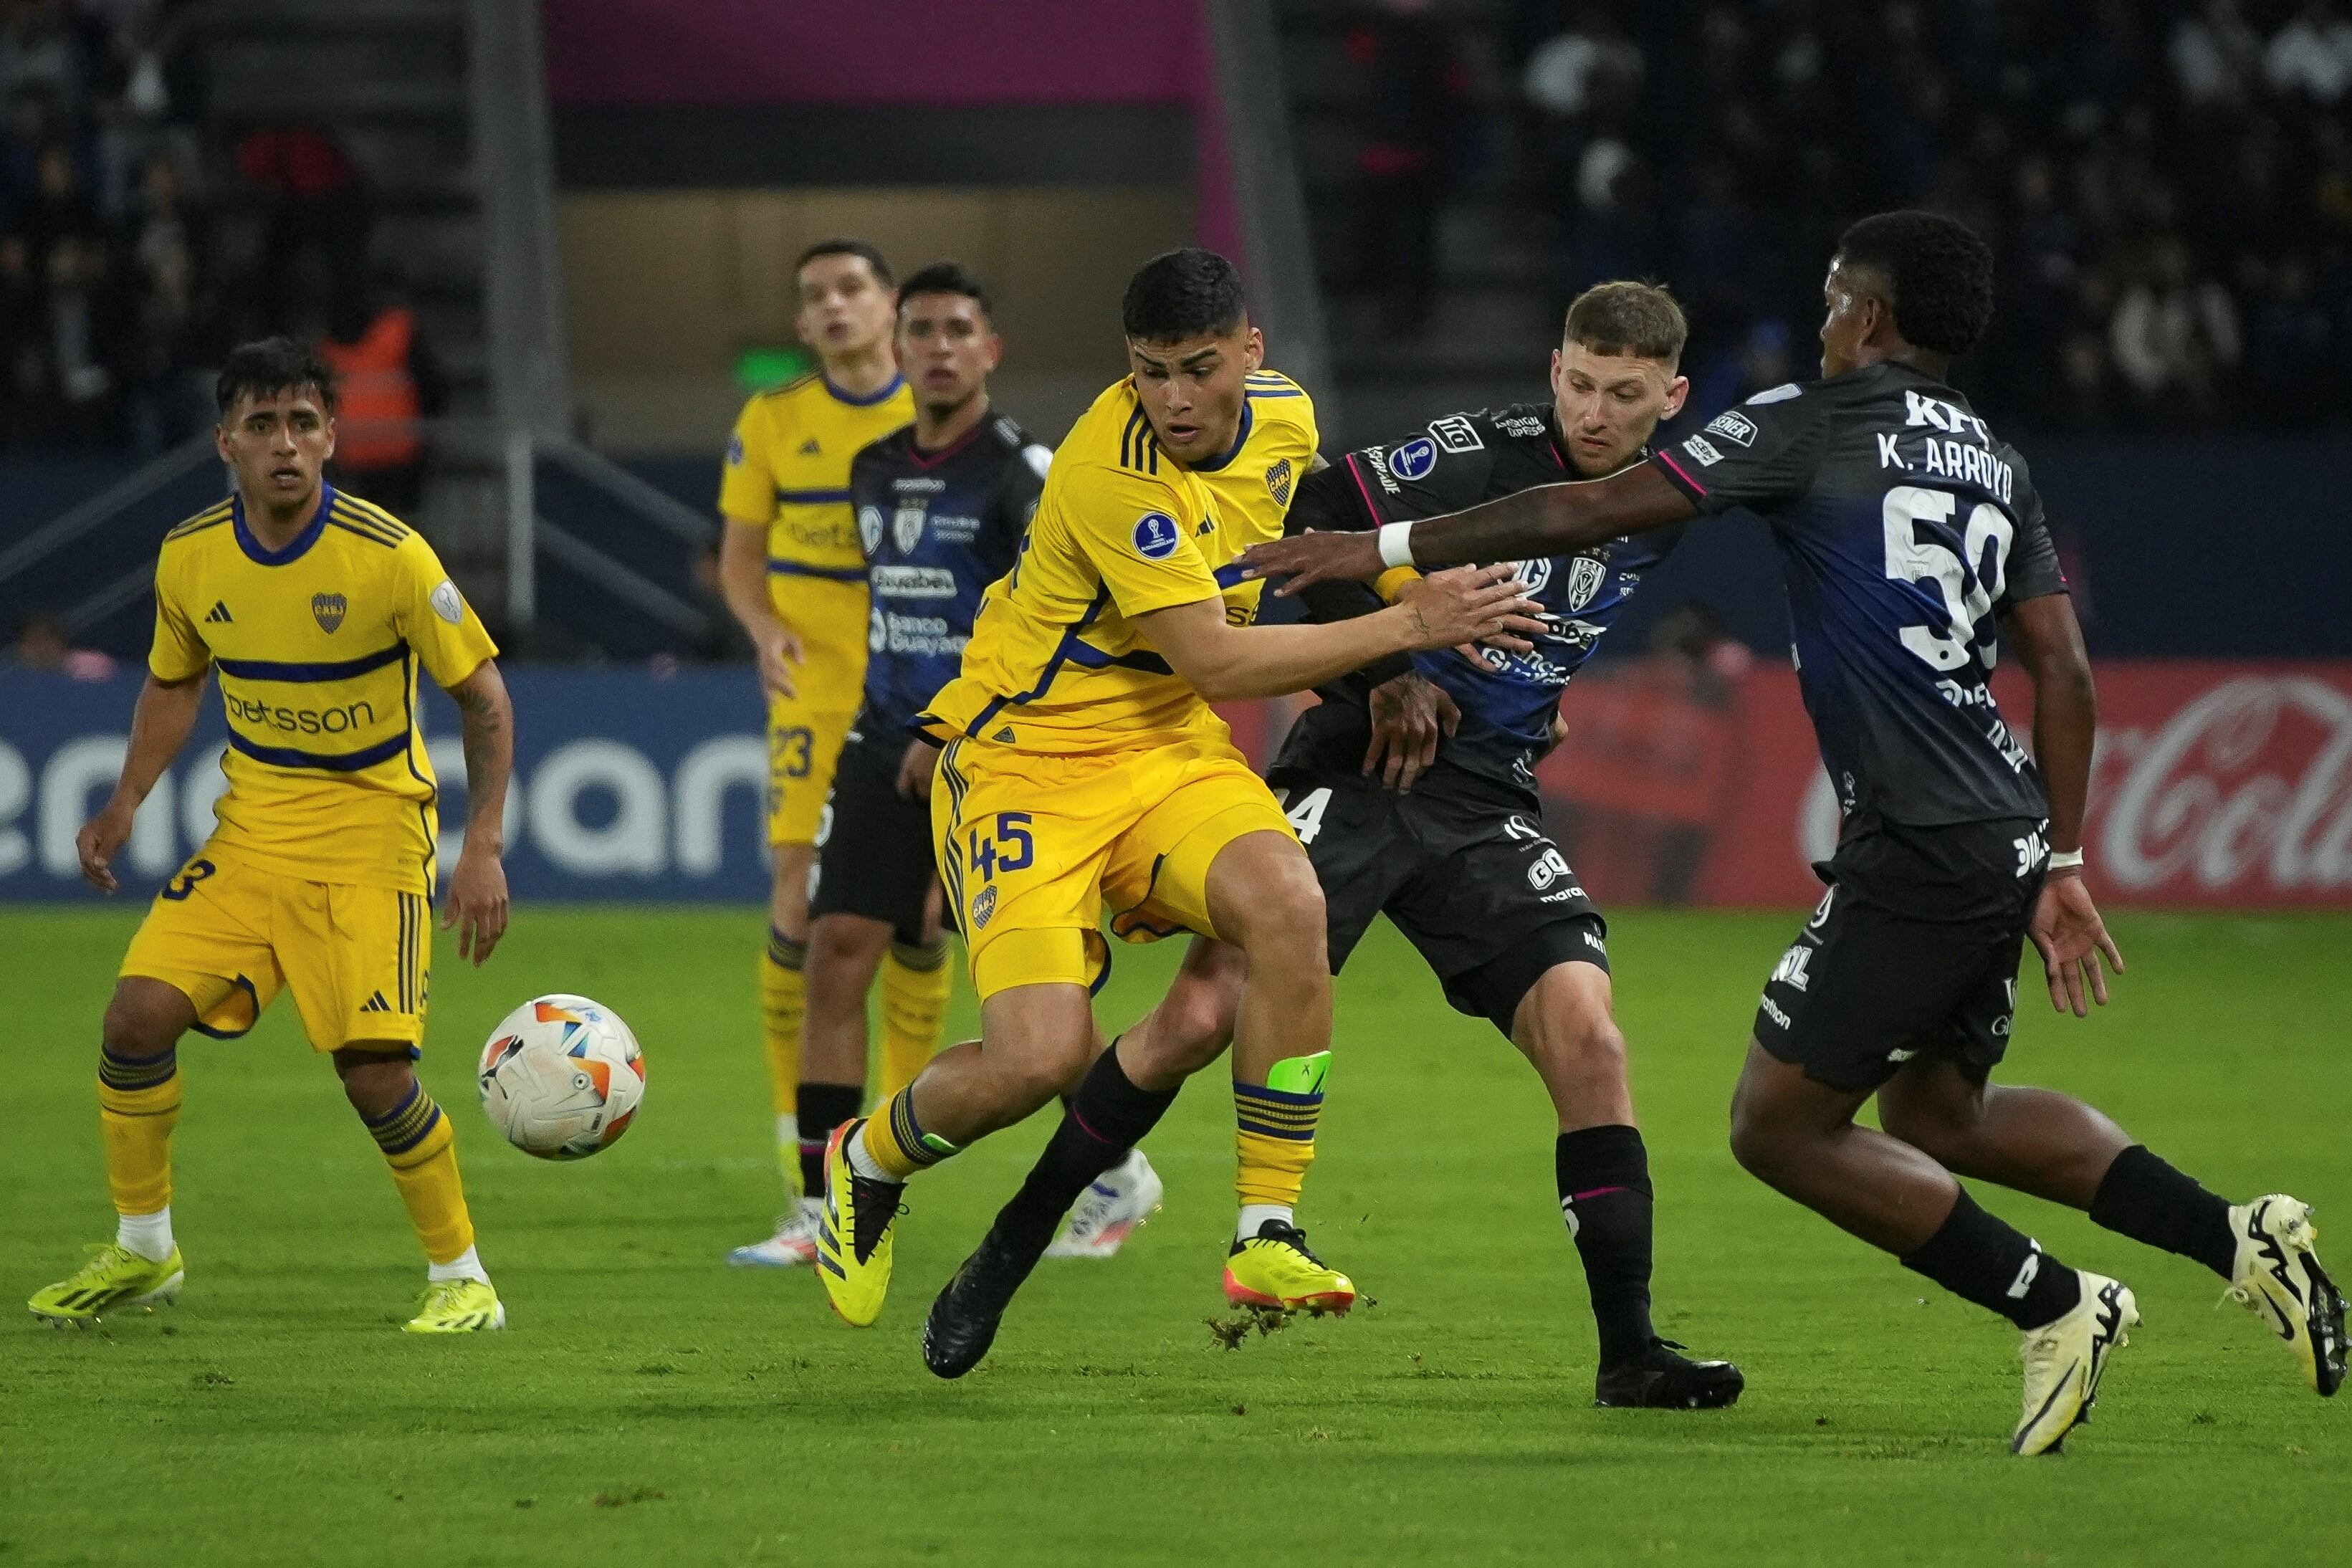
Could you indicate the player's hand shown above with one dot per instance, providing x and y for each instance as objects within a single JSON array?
[
  {"x": 1314, "y": 557},
  {"x": 2071, "y": 938},
  {"x": 478, "y": 903},
  {"x": 1410, "y": 715},
  {"x": 915, "y": 770},
  {"x": 99, "y": 840},
  {"x": 779, "y": 652},
  {"x": 1471, "y": 604}
]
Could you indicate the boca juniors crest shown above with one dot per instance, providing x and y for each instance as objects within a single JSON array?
[
  {"x": 1277, "y": 482},
  {"x": 327, "y": 610}
]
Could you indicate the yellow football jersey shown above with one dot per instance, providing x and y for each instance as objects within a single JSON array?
[
  {"x": 788, "y": 468},
  {"x": 317, "y": 647},
  {"x": 1253, "y": 484},
  {"x": 1054, "y": 664}
]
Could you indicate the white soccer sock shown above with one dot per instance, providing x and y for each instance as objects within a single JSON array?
[
  {"x": 1255, "y": 1215},
  {"x": 466, "y": 1265},
  {"x": 148, "y": 1234},
  {"x": 788, "y": 1130},
  {"x": 853, "y": 1145}
]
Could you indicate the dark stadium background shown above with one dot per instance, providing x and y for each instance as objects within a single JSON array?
[{"x": 587, "y": 211}]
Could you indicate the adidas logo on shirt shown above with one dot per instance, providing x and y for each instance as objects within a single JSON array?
[
  {"x": 218, "y": 615},
  {"x": 809, "y": 448},
  {"x": 376, "y": 1004}
]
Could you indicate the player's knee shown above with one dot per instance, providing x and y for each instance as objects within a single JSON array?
[
  {"x": 1286, "y": 923},
  {"x": 1571, "y": 1029},
  {"x": 138, "y": 1024},
  {"x": 842, "y": 947},
  {"x": 1758, "y": 1140},
  {"x": 375, "y": 1082}
]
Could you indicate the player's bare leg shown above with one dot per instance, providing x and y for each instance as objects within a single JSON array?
[
  {"x": 2054, "y": 1146},
  {"x": 1799, "y": 1137},
  {"x": 1567, "y": 1029}
]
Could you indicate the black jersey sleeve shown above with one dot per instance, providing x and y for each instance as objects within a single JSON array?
[
  {"x": 1328, "y": 501},
  {"x": 2033, "y": 570},
  {"x": 1445, "y": 468},
  {"x": 1763, "y": 451}
]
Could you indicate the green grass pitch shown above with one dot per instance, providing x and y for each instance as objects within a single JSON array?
[{"x": 650, "y": 1406}]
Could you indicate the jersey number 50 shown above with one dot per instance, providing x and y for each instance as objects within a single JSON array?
[{"x": 1969, "y": 582}]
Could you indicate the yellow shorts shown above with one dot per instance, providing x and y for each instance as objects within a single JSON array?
[
  {"x": 228, "y": 934},
  {"x": 804, "y": 731},
  {"x": 1036, "y": 850}
]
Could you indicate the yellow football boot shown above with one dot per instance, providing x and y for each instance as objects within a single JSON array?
[
  {"x": 1273, "y": 1269},
  {"x": 457, "y": 1306},
  {"x": 853, "y": 1233},
  {"x": 114, "y": 1277},
  {"x": 2278, "y": 1276}
]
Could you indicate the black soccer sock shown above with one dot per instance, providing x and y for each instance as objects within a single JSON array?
[
  {"x": 1605, "y": 1197},
  {"x": 2147, "y": 1199},
  {"x": 823, "y": 1108},
  {"x": 1107, "y": 1117},
  {"x": 1983, "y": 1258}
]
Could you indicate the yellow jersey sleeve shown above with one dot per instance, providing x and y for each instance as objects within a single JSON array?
[
  {"x": 1137, "y": 533},
  {"x": 177, "y": 653},
  {"x": 433, "y": 618},
  {"x": 747, "y": 480}
]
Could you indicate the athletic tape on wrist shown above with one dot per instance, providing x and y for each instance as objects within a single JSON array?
[
  {"x": 2060, "y": 859},
  {"x": 1396, "y": 544}
]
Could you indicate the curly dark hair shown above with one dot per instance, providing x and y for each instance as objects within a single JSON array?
[
  {"x": 267, "y": 365},
  {"x": 1939, "y": 272},
  {"x": 1183, "y": 294}
]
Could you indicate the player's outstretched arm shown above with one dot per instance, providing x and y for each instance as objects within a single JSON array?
[
  {"x": 1551, "y": 520},
  {"x": 159, "y": 723},
  {"x": 477, "y": 889},
  {"x": 2066, "y": 927},
  {"x": 1227, "y": 663}
]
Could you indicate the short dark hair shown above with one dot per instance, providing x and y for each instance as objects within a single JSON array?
[
  {"x": 949, "y": 278},
  {"x": 1941, "y": 273},
  {"x": 1183, "y": 294},
  {"x": 1625, "y": 317},
  {"x": 858, "y": 248},
  {"x": 269, "y": 365}
]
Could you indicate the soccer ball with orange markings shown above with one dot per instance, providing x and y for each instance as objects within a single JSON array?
[{"x": 563, "y": 1078}]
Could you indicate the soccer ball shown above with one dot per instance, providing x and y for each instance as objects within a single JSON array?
[{"x": 561, "y": 1078}]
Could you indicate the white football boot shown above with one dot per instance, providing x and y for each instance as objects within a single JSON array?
[
  {"x": 2064, "y": 1361},
  {"x": 2278, "y": 1277},
  {"x": 793, "y": 1244},
  {"x": 1108, "y": 1211}
]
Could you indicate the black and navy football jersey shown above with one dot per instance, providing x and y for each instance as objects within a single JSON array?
[
  {"x": 1507, "y": 699},
  {"x": 1904, "y": 529},
  {"x": 937, "y": 528}
]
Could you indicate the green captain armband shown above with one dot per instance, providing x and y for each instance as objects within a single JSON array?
[{"x": 1301, "y": 1075}]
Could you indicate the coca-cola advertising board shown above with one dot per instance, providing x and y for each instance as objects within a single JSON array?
[{"x": 2215, "y": 783}]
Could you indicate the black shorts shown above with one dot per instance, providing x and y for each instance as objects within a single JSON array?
[
  {"x": 1913, "y": 950},
  {"x": 1474, "y": 885},
  {"x": 874, "y": 847}
]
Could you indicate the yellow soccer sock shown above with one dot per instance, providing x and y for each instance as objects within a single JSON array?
[
  {"x": 1274, "y": 1142},
  {"x": 894, "y": 1145},
  {"x": 138, "y": 1105},
  {"x": 916, "y": 981},
  {"x": 783, "y": 1002},
  {"x": 422, "y": 1150}
]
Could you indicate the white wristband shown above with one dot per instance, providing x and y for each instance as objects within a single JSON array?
[
  {"x": 1396, "y": 544},
  {"x": 2062, "y": 859}
]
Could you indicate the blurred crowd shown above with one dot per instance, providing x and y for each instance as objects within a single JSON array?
[
  {"x": 2167, "y": 182},
  {"x": 106, "y": 290},
  {"x": 122, "y": 281}
]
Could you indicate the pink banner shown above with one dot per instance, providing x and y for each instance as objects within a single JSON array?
[{"x": 2219, "y": 784}]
